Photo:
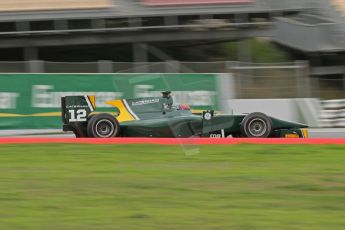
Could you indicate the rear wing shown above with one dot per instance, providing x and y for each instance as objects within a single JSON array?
[{"x": 77, "y": 108}]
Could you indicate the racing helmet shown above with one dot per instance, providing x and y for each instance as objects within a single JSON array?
[{"x": 183, "y": 107}]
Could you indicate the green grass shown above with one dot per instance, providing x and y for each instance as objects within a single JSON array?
[{"x": 160, "y": 187}]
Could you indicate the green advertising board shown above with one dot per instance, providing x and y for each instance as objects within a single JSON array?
[{"x": 29, "y": 101}]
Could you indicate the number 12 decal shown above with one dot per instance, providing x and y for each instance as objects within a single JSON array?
[{"x": 77, "y": 115}]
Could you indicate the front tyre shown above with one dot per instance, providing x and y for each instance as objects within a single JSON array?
[
  {"x": 103, "y": 125},
  {"x": 256, "y": 125}
]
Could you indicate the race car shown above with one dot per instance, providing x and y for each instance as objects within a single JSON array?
[{"x": 159, "y": 117}]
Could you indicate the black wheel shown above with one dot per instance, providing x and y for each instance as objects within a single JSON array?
[
  {"x": 256, "y": 125},
  {"x": 103, "y": 125},
  {"x": 79, "y": 135},
  {"x": 79, "y": 132}
]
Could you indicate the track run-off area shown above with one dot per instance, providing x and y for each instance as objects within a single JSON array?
[
  {"x": 172, "y": 141},
  {"x": 50, "y": 182}
]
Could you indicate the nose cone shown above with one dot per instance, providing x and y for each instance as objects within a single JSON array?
[{"x": 281, "y": 124}]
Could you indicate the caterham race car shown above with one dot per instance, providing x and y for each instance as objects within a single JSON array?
[{"x": 159, "y": 117}]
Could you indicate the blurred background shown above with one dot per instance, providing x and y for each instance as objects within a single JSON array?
[{"x": 285, "y": 58}]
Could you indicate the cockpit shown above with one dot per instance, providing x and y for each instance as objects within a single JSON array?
[{"x": 170, "y": 102}]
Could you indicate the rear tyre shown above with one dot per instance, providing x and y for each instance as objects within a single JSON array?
[
  {"x": 79, "y": 133},
  {"x": 103, "y": 125},
  {"x": 257, "y": 125}
]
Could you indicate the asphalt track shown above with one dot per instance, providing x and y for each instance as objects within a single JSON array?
[
  {"x": 173, "y": 141},
  {"x": 317, "y": 136},
  {"x": 57, "y": 133}
]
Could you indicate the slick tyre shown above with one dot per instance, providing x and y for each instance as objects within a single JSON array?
[
  {"x": 256, "y": 125},
  {"x": 103, "y": 125},
  {"x": 79, "y": 133}
]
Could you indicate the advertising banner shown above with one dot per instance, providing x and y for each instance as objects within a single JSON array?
[{"x": 29, "y": 101}]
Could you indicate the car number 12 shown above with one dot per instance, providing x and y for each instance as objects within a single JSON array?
[{"x": 77, "y": 115}]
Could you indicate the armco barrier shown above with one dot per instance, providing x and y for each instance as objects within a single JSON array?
[{"x": 332, "y": 114}]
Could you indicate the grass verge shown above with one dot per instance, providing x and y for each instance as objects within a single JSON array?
[{"x": 65, "y": 186}]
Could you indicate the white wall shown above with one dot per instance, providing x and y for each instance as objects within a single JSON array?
[{"x": 297, "y": 110}]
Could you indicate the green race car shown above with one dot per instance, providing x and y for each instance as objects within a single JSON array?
[{"x": 159, "y": 117}]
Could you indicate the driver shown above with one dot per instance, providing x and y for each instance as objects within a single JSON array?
[{"x": 167, "y": 95}]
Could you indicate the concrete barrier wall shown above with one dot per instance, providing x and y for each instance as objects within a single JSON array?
[{"x": 298, "y": 110}]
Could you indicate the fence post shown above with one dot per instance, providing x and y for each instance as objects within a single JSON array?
[
  {"x": 308, "y": 79},
  {"x": 316, "y": 87},
  {"x": 35, "y": 66},
  {"x": 105, "y": 66},
  {"x": 226, "y": 90},
  {"x": 344, "y": 85},
  {"x": 141, "y": 58},
  {"x": 231, "y": 68},
  {"x": 302, "y": 81},
  {"x": 30, "y": 53},
  {"x": 172, "y": 66},
  {"x": 305, "y": 75}
]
